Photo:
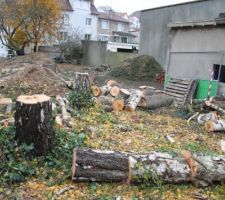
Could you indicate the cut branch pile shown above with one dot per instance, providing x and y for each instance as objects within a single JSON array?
[
  {"x": 109, "y": 166},
  {"x": 112, "y": 96}
]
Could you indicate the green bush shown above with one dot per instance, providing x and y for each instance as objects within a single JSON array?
[{"x": 81, "y": 100}]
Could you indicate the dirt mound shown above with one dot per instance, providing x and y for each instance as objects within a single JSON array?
[
  {"x": 142, "y": 68},
  {"x": 32, "y": 79}
]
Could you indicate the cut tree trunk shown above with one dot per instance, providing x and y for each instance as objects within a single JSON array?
[
  {"x": 124, "y": 93},
  {"x": 114, "y": 91},
  {"x": 202, "y": 118},
  {"x": 214, "y": 126},
  {"x": 156, "y": 101},
  {"x": 82, "y": 82},
  {"x": 215, "y": 107},
  {"x": 110, "y": 104},
  {"x": 96, "y": 90},
  {"x": 153, "y": 167},
  {"x": 133, "y": 100},
  {"x": 33, "y": 122},
  {"x": 118, "y": 104}
]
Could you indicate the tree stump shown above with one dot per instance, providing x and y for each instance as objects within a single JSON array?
[
  {"x": 214, "y": 126},
  {"x": 82, "y": 82},
  {"x": 33, "y": 122}
]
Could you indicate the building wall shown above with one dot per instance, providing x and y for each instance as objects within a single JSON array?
[
  {"x": 95, "y": 54},
  {"x": 112, "y": 27},
  {"x": 154, "y": 32},
  {"x": 194, "y": 51},
  {"x": 77, "y": 18}
]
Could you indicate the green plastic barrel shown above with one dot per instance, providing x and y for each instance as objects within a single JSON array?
[{"x": 203, "y": 88}]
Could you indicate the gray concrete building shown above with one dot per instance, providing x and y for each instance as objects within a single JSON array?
[
  {"x": 155, "y": 34},
  {"x": 196, "y": 50}
]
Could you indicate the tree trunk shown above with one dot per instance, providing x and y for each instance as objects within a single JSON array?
[
  {"x": 20, "y": 52},
  {"x": 133, "y": 100},
  {"x": 215, "y": 107},
  {"x": 153, "y": 167},
  {"x": 33, "y": 122},
  {"x": 156, "y": 101},
  {"x": 213, "y": 126}
]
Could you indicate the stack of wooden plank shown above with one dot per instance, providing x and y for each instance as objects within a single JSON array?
[{"x": 181, "y": 90}]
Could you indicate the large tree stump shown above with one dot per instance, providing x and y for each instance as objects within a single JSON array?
[
  {"x": 153, "y": 167},
  {"x": 33, "y": 122}
]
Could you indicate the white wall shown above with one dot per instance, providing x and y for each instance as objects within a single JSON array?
[{"x": 78, "y": 17}]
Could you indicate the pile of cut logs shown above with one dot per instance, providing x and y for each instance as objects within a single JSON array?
[
  {"x": 112, "y": 96},
  {"x": 211, "y": 120}
]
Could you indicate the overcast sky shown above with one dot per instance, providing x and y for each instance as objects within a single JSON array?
[{"x": 130, "y": 6}]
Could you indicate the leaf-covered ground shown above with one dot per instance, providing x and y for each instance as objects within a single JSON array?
[{"x": 140, "y": 131}]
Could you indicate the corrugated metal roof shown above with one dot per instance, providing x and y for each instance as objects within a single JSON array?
[{"x": 112, "y": 16}]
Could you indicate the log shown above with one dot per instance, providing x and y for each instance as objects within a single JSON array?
[
  {"x": 118, "y": 104},
  {"x": 65, "y": 115},
  {"x": 105, "y": 100},
  {"x": 107, "y": 108},
  {"x": 110, "y": 104},
  {"x": 202, "y": 118},
  {"x": 124, "y": 93},
  {"x": 153, "y": 167},
  {"x": 214, "y": 126},
  {"x": 133, "y": 100},
  {"x": 114, "y": 91},
  {"x": 156, "y": 101},
  {"x": 142, "y": 102},
  {"x": 33, "y": 122},
  {"x": 96, "y": 90},
  {"x": 110, "y": 83},
  {"x": 215, "y": 107}
]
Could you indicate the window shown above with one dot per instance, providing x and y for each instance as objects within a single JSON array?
[
  {"x": 105, "y": 24},
  {"x": 120, "y": 27},
  {"x": 87, "y": 36},
  {"x": 124, "y": 39},
  {"x": 88, "y": 21},
  {"x": 219, "y": 73}
]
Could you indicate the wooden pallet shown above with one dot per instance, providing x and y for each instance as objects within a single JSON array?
[{"x": 181, "y": 90}]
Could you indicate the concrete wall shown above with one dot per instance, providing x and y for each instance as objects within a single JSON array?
[
  {"x": 154, "y": 32},
  {"x": 194, "y": 51},
  {"x": 95, "y": 54}
]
